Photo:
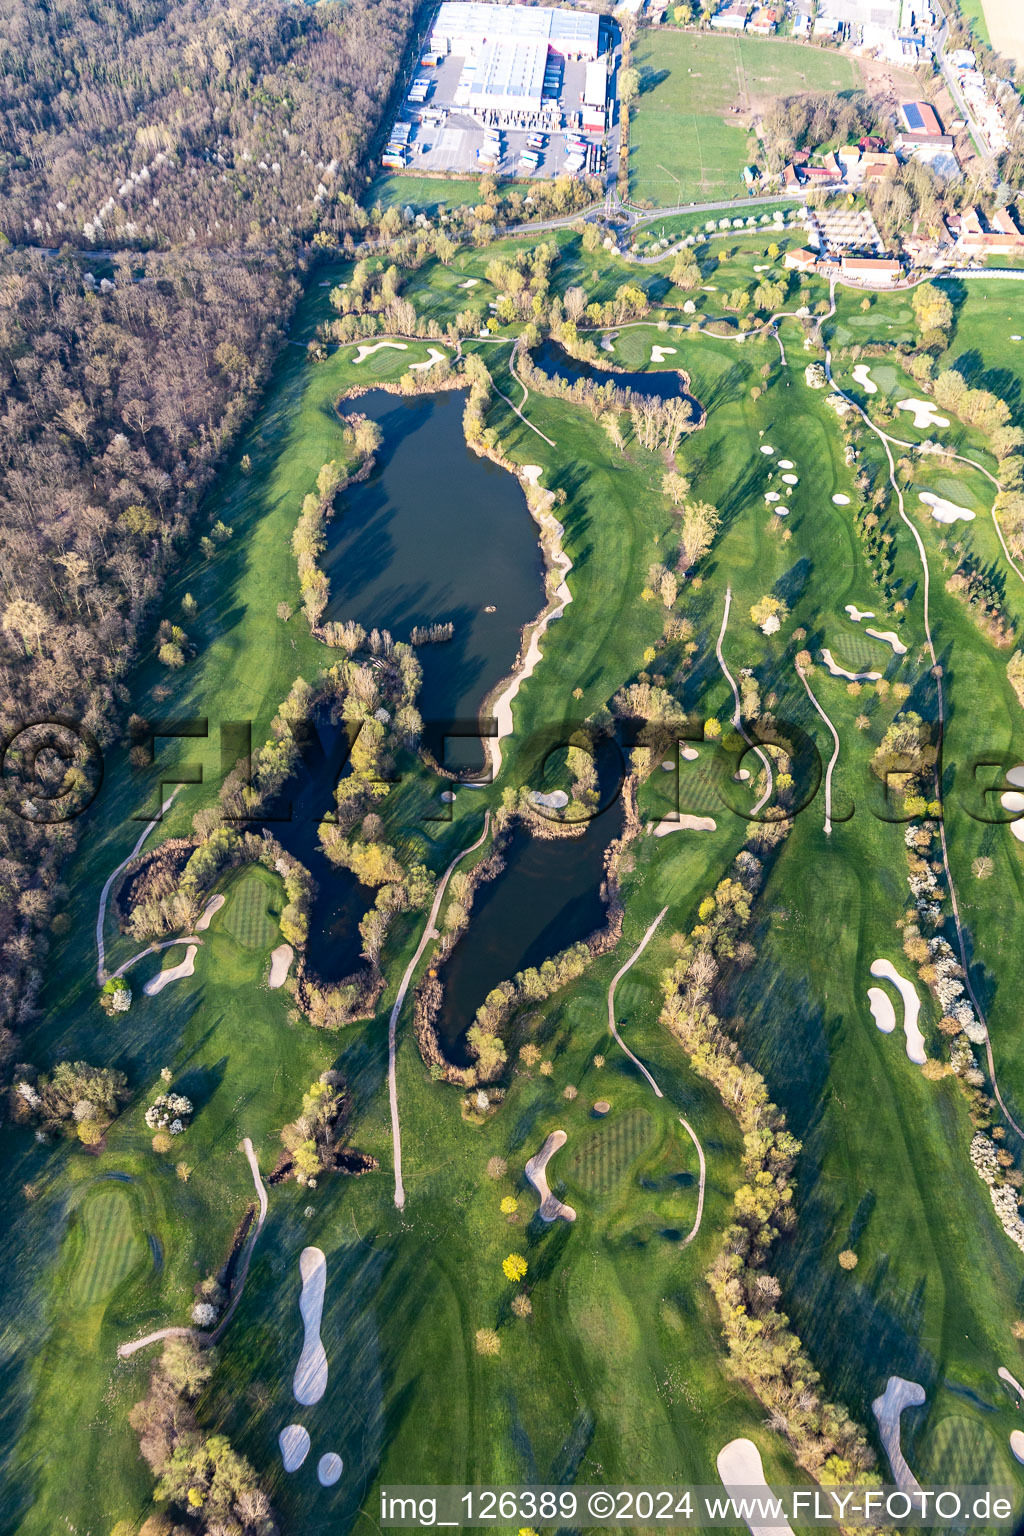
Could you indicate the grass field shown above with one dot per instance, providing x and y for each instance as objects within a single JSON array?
[
  {"x": 253, "y": 907},
  {"x": 686, "y": 143},
  {"x": 111, "y": 1248},
  {"x": 621, "y": 1367}
]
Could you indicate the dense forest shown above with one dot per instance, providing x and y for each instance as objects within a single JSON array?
[{"x": 166, "y": 170}]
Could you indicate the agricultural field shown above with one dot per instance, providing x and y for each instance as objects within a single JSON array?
[{"x": 689, "y": 126}]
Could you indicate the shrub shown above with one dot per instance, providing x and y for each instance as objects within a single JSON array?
[
  {"x": 169, "y": 1112},
  {"x": 161, "y": 1142},
  {"x": 848, "y": 1259},
  {"x": 487, "y": 1342},
  {"x": 515, "y": 1267},
  {"x": 522, "y": 1306},
  {"x": 496, "y": 1168}
]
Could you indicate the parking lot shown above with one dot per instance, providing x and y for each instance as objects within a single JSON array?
[{"x": 446, "y": 136}]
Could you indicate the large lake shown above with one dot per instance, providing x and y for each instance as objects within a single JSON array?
[{"x": 437, "y": 533}]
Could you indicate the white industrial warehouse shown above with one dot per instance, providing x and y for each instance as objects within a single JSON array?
[{"x": 508, "y": 49}]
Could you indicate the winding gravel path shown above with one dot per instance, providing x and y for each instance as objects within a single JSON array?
[
  {"x": 886, "y": 442},
  {"x": 101, "y": 915},
  {"x": 835, "y": 752},
  {"x": 657, "y": 1091},
  {"x": 429, "y": 932},
  {"x": 214, "y": 1337},
  {"x": 612, "y": 1028}
]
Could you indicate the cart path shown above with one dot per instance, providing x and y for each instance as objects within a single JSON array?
[
  {"x": 613, "y": 1031},
  {"x": 125, "y": 1350},
  {"x": 105, "y": 893},
  {"x": 700, "y": 1187},
  {"x": 886, "y": 442},
  {"x": 429, "y": 932},
  {"x": 835, "y": 753},
  {"x": 737, "y": 717}
]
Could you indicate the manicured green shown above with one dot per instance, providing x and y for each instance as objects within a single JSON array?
[
  {"x": 251, "y": 914},
  {"x": 110, "y": 1250}
]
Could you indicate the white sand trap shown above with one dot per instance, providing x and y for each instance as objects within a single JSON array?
[
  {"x": 890, "y": 637},
  {"x": 924, "y": 413},
  {"x": 659, "y": 354},
  {"x": 1011, "y": 1381},
  {"x": 280, "y": 964},
  {"x": 882, "y": 1010},
  {"x": 741, "y": 775},
  {"x": 853, "y": 677},
  {"x": 772, "y": 497},
  {"x": 840, "y": 500},
  {"x": 329, "y": 1468},
  {"x": 470, "y": 282},
  {"x": 1017, "y": 338},
  {"x": 310, "y": 1380},
  {"x": 710, "y": 288},
  {"x": 791, "y": 480},
  {"x": 856, "y": 614},
  {"x": 210, "y": 911},
  {"x": 945, "y": 511},
  {"x": 684, "y": 824},
  {"x": 742, "y": 1472},
  {"x": 1017, "y": 1443},
  {"x": 1013, "y": 801},
  {"x": 886, "y": 971},
  {"x": 294, "y": 1443},
  {"x": 162, "y": 979},
  {"x": 365, "y": 352},
  {"x": 433, "y": 356},
  {"x": 447, "y": 795},
  {"x": 763, "y": 267},
  {"x": 899, "y": 1394},
  {"x": 1015, "y": 776},
  {"x": 1017, "y": 828},
  {"x": 786, "y": 464},
  {"x": 781, "y": 511},
  {"x": 551, "y": 1208},
  {"x": 556, "y": 801},
  {"x": 531, "y": 473},
  {"x": 689, "y": 753},
  {"x": 862, "y": 376},
  {"x": 767, "y": 448}
]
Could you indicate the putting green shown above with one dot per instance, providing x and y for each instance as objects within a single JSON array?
[
  {"x": 248, "y": 917},
  {"x": 964, "y": 1451},
  {"x": 606, "y": 1157},
  {"x": 111, "y": 1249}
]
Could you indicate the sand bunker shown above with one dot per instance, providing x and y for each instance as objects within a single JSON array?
[
  {"x": 1015, "y": 776},
  {"x": 742, "y": 1472},
  {"x": 790, "y": 480},
  {"x": 433, "y": 356},
  {"x": 162, "y": 979},
  {"x": 684, "y": 824},
  {"x": 556, "y": 801},
  {"x": 781, "y": 511},
  {"x": 329, "y": 1468},
  {"x": 280, "y": 962},
  {"x": 470, "y": 282},
  {"x": 551, "y": 1208},
  {"x": 659, "y": 354},
  {"x": 945, "y": 511},
  {"x": 840, "y": 500},
  {"x": 531, "y": 473},
  {"x": 899, "y": 1394},
  {"x": 856, "y": 614},
  {"x": 1011, "y": 1381},
  {"x": 862, "y": 376},
  {"x": 890, "y": 637},
  {"x": 882, "y": 1010},
  {"x": 853, "y": 677},
  {"x": 886, "y": 971},
  {"x": 294, "y": 1443},
  {"x": 1017, "y": 1443},
  {"x": 210, "y": 911},
  {"x": 310, "y": 1380},
  {"x": 924, "y": 413},
  {"x": 764, "y": 267},
  {"x": 786, "y": 464},
  {"x": 767, "y": 448},
  {"x": 364, "y": 351}
]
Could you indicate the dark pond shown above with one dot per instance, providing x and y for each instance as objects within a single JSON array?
[
  {"x": 437, "y": 534},
  {"x": 663, "y": 384},
  {"x": 547, "y": 897},
  {"x": 334, "y": 948}
]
